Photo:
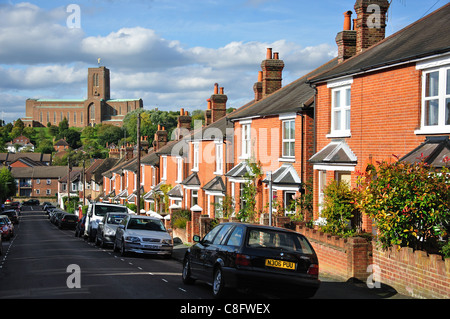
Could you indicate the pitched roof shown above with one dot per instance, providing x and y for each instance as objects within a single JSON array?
[
  {"x": 426, "y": 37},
  {"x": 334, "y": 153},
  {"x": 215, "y": 185},
  {"x": 434, "y": 152},
  {"x": 43, "y": 172}
]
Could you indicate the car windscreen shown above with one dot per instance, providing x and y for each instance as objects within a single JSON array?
[
  {"x": 114, "y": 219},
  {"x": 146, "y": 224},
  {"x": 101, "y": 210},
  {"x": 273, "y": 239}
]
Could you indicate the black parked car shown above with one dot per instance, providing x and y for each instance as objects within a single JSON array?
[
  {"x": 235, "y": 255},
  {"x": 67, "y": 221},
  {"x": 31, "y": 202}
]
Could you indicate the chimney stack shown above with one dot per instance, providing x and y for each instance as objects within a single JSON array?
[
  {"x": 257, "y": 87},
  {"x": 161, "y": 138},
  {"x": 184, "y": 125},
  {"x": 370, "y": 22},
  {"x": 218, "y": 104},
  {"x": 272, "y": 69},
  {"x": 346, "y": 39}
]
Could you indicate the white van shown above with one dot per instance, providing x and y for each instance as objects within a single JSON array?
[{"x": 95, "y": 213}]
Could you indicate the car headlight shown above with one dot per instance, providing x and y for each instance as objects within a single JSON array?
[
  {"x": 132, "y": 239},
  {"x": 109, "y": 231},
  {"x": 167, "y": 241}
]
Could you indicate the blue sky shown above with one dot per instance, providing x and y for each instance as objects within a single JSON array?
[{"x": 169, "y": 53}]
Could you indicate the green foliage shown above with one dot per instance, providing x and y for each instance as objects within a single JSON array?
[
  {"x": 409, "y": 202},
  {"x": 179, "y": 218},
  {"x": 248, "y": 213},
  {"x": 338, "y": 208},
  {"x": 7, "y": 184}
]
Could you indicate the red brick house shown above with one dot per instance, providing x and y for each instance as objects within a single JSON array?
[
  {"x": 277, "y": 131},
  {"x": 386, "y": 96}
]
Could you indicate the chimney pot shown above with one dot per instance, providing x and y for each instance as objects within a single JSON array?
[
  {"x": 159, "y": 127},
  {"x": 347, "y": 21},
  {"x": 216, "y": 88},
  {"x": 221, "y": 90},
  {"x": 260, "y": 76},
  {"x": 269, "y": 54},
  {"x": 181, "y": 112},
  {"x": 276, "y": 56}
]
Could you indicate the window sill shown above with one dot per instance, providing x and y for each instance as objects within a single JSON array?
[
  {"x": 339, "y": 134},
  {"x": 287, "y": 159},
  {"x": 432, "y": 130}
]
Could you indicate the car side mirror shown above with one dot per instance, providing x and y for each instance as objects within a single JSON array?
[{"x": 196, "y": 238}]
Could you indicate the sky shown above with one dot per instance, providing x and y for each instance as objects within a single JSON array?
[{"x": 170, "y": 53}]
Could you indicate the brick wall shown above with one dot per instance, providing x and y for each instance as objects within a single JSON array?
[
  {"x": 414, "y": 273},
  {"x": 339, "y": 257}
]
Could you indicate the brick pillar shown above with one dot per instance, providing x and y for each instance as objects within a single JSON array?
[{"x": 359, "y": 257}]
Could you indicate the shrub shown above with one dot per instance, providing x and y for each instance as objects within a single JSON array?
[
  {"x": 409, "y": 202},
  {"x": 338, "y": 209}
]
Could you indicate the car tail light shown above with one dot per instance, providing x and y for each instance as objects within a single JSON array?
[
  {"x": 313, "y": 270},
  {"x": 242, "y": 260}
]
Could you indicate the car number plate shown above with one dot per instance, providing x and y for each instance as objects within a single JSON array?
[
  {"x": 150, "y": 246},
  {"x": 280, "y": 264}
]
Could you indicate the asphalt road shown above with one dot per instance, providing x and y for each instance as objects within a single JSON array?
[{"x": 44, "y": 262}]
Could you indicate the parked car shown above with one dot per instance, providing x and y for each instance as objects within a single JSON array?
[
  {"x": 95, "y": 213},
  {"x": 6, "y": 227},
  {"x": 67, "y": 220},
  {"x": 143, "y": 234},
  {"x": 56, "y": 216},
  {"x": 79, "y": 228},
  {"x": 235, "y": 255},
  {"x": 47, "y": 206},
  {"x": 106, "y": 231},
  {"x": 31, "y": 202},
  {"x": 12, "y": 214}
]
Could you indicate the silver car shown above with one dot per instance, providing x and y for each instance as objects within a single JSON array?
[
  {"x": 144, "y": 235},
  {"x": 106, "y": 231}
]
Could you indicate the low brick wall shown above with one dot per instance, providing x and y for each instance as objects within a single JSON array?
[
  {"x": 339, "y": 257},
  {"x": 413, "y": 273}
]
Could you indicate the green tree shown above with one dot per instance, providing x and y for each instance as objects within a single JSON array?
[
  {"x": 7, "y": 184},
  {"x": 109, "y": 134}
]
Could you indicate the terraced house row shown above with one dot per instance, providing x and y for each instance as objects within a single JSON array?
[{"x": 379, "y": 97}]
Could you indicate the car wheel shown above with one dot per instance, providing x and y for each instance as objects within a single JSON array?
[
  {"x": 218, "y": 283},
  {"x": 186, "y": 274}
]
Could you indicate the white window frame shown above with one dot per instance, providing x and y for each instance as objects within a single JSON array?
[
  {"x": 48, "y": 192},
  {"x": 340, "y": 127},
  {"x": 164, "y": 168},
  {"x": 219, "y": 158},
  {"x": 245, "y": 140},
  {"x": 287, "y": 139},
  {"x": 196, "y": 156},
  {"x": 194, "y": 196},
  {"x": 179, "y": 169},
  {"x": 442, "y": 98}
]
